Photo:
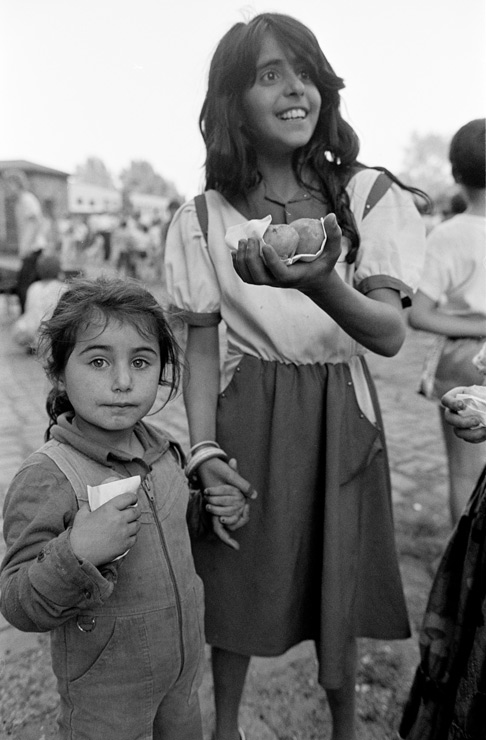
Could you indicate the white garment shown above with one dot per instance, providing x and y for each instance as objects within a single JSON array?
[
  {"x": 284, "y": 325},
  {"x": 455, "y": 267},
  {"x": 30, "y": 224},
  {"x": 42, "y": 298}
]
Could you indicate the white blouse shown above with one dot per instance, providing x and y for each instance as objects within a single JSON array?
[{"x": 282, "y": 324}]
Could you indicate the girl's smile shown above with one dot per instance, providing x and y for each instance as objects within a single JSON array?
[
  {"x": 111, "y": 379},
  {"x": 283, "y": 104}
]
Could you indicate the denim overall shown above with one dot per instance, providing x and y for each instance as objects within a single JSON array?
[{"x": 130, "y": 670}]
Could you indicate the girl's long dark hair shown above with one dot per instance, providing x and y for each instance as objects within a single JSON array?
[
  {"x": 103, "y": 299},
  {"x": 331, "y": 155}
]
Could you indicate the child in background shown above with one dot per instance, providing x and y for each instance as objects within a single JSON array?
[
  {"x": 40, "y": 301},
  {"x": 115, "y": 586},
  {"x": 451, "y": 301},
  {"x": 294, "y": 402}
]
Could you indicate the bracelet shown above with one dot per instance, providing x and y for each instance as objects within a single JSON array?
[
  {"x": 206, "y": 443},
  {"x": 201, "y": 456}
]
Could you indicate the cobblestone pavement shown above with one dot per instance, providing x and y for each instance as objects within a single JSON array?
[{"x": 416, "y": 456}]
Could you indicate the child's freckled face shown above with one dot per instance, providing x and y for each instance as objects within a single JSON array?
[
  {"x": 112, "y": 376},
  {"x": 282, "y": 106}
]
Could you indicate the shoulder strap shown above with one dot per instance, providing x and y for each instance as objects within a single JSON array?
[
  {"x": 202, "y": 214},
  {"x": 65, "y": 458},
  {"x": 380, "y": 186}
]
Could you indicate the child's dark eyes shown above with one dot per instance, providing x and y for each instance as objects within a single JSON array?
[
  {"x": 139, "y": 363},
  {"x": 98, "y": 362}
]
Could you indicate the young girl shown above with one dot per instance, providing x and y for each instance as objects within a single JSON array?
[
  {"x": 115, "y": 585},
  {"x": 293, "y": 401}
]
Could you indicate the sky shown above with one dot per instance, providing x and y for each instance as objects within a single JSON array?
[{"x": 124, "y": 80}]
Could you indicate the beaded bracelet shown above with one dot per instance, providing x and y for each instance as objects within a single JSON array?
[{"x": 201, "y": 456}]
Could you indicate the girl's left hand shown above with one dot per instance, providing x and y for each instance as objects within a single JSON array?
[{"x": 268, "y": 269}]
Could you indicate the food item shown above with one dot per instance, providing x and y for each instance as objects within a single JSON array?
[
  {"x": 475, "y": 402},
  {"x": 283, "y": 238},
  {"x": 310, "y": 233}
]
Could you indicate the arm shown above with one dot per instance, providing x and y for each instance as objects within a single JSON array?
[
  {"x": 373, "y": 320},
  {"x": 43, "y": 583},
  {"x": 201, "y": 390},
  {"x": 425, "y": 315}
]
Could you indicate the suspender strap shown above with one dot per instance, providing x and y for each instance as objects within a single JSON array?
[
  {"x": 202, "y": 214},
  {"x": 67, "y": 461},
  {"x": 378, "y": 190}
]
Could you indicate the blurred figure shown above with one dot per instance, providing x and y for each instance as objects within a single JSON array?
[
  {"x": 41, "y": 299},
  {"x": 156, "y": 257},
  {"x": 142, "y": 252},
  {"x": 123, "y": 249},
  {"x": 30, "y": 229},
  {"x": 451, "y": 302}
]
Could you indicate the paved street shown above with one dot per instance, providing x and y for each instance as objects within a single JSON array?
[{"x": 416, "y": 455}]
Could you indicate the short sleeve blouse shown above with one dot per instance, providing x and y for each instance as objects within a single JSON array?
[{"x": 282, "y": 324}]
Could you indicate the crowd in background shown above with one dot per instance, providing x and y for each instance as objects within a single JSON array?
[{"x": 131, "y": 246}]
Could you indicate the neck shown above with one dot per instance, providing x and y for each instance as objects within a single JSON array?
[
  {"x": 123, "y": 440},
  {"x": 279, "y": 176},
  {"x": 476, "y": 201}
]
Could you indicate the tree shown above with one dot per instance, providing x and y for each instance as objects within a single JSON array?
[
  {"x": 426, "y": 166},
  {"x": 95, "y": 172},
  {"x": 140, "y": 177}
]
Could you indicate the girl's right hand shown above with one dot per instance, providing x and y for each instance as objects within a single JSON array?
[
  {"x": 264, "y": 267},
  {"x": 102, "y": 535}
]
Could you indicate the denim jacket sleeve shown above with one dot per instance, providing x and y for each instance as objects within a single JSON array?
[{"x": 42, "y": 582}]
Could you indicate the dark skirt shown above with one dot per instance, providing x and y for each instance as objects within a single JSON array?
[
  {"x": 317, "y": 559},
  {"x": 447, "y": 700}
]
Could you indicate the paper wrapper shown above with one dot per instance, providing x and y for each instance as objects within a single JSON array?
[
  {"x": 99, "y": 495},
  {"x": 256, "y": 229},
  {"x": 475, "y": 402}
]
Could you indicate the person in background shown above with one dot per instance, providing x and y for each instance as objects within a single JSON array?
[
  {"x": 42, "y": 297},
  {"x": 447, "y": 697},
  {"x": 451, "y": 302},
  {"x": 289, "y": 396},
  {"x": 30, "y": 229}
]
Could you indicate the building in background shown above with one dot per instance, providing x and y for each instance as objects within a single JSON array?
[{"x": 86, "y": 199}]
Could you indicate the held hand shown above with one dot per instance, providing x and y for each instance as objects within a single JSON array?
[
  {"x": 102, "y": 535},
  {"x": 465, "y": 427},
  {"x": 228, "y": 494},
  {"x": 268, "y": 268}
]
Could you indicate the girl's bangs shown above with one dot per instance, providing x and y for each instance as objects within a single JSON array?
[{"x": 289, "y": 35}]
